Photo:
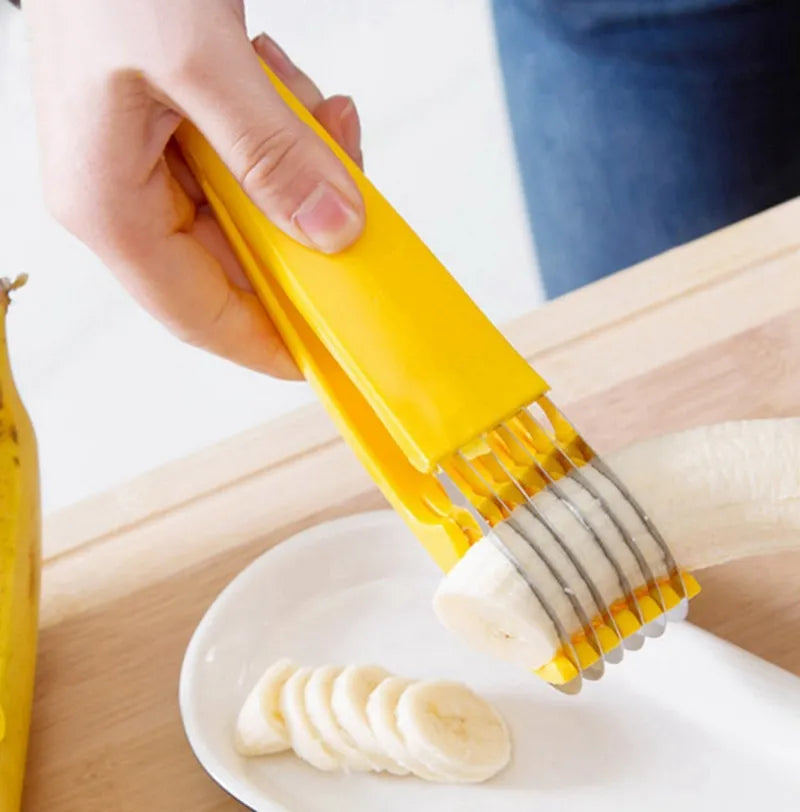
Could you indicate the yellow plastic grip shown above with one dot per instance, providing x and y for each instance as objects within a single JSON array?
[
  {"x": 429, "y": 364},
  {"x": 441, "y": 527}
]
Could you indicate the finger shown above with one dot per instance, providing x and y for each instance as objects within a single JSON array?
[
  {"x": 206, "y": 228},
  {"x": 338, "y": 115},
  {"x": 218, "y": 316},
  {"x": 182, "y": 277},
  {"x": 181, "y": 172},
  {"x": 289, "y": 172},
  {"x": 301, "y": 86}
]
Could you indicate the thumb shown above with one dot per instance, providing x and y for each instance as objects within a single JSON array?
[{"x": 285, "y": 168}]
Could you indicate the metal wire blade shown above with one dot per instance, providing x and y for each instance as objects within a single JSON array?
[{"x": 493, "y": 490}]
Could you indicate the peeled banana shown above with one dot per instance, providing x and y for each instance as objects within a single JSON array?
[
  {"x": 364, "y": 718},
  {"x": 19, "y": 573},
  {"x": 716, "y": 493}
]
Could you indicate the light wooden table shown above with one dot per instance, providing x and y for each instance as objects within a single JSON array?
[{"x": 707, "y": 332}]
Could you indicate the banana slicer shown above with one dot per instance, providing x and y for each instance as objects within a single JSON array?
[{"x": 451, "y": 422}]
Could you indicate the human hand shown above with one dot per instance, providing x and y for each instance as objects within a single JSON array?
[{"x": 112, "y": 81}]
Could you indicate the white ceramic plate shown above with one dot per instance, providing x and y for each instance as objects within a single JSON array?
[{"x": 689, "y": 722}]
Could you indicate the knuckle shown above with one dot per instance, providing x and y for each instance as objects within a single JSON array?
[
  {"x": 191, "y": 334},
  {"x": 267, "y": 161},
  {"x": 203, "y": 329}
]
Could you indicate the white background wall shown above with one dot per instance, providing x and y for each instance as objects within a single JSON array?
[{"x": 110, "y": 392}]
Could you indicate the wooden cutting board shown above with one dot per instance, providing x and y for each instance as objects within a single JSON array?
[{"x": 707, "y": 332}]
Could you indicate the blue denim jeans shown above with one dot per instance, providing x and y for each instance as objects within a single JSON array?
[{"x": 642, "y": 124}]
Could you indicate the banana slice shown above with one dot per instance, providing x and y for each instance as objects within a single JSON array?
[
  {"x": 381, "y": 710},
  {"x": 716, "y": 493},
  {"x": 351, "y": 691},
  {"x": 485, "y": 601},
  {"x": 304, "y": 737},
  {"x": 363, "y": 718},
  {"x": 453, "y": 731},
  {"x": 318, "y": 695},
  {"x": 260, "y": 727}
]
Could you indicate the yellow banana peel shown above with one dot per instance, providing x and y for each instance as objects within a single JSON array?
[{"x": 20, "y": 560}]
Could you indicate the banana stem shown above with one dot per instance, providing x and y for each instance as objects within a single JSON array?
[{"x": 7, "y": 285}]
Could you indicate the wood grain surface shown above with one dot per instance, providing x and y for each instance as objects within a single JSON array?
[{"x": 706, "y": 332}]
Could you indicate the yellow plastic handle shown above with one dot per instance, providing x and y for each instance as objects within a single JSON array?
[
  {"x": 443, "y": 528},
  {"x": 429, "y": 363}
]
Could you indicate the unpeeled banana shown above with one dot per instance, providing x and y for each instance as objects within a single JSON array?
[{"x": 19, "y": 573}]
